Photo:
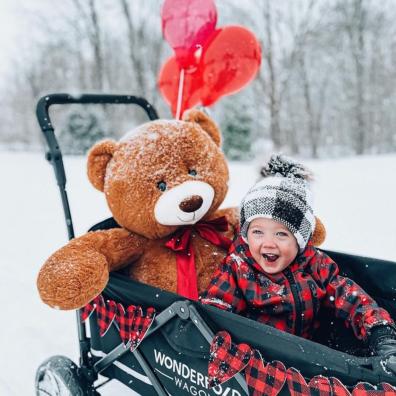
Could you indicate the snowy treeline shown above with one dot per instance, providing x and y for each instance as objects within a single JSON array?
[{"x": 325, "y": 87}]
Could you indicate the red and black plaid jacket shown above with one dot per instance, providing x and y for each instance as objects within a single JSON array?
[{"x": 290, "y": 300}]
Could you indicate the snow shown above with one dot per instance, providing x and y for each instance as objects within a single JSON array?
[{"x": 354, "y": 198}]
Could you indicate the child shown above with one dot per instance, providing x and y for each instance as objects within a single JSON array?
[{"x": 273, "y": 273}]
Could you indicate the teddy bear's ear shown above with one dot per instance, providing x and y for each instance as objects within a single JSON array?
[
  {"x": 98, "y": 158},
  {"x": 319, "y": 234},
  {"x": 206, "y": 123}
]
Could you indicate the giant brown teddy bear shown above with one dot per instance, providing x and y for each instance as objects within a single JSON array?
[{"x": 164, "y": 176}]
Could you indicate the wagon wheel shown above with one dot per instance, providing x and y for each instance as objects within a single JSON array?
[{"x": 58, "y": 376}]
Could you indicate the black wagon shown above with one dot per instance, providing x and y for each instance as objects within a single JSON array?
[{"x": 173, "y": 357}]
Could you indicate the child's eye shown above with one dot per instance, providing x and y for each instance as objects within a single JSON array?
[
  {"x": 282, "y": 234},
  {"x": 257, "y": 232}
]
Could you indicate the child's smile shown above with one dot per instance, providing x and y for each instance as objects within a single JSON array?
[
  {"x": 272, "y": 245},
  {"x": 270, "y": 257}
]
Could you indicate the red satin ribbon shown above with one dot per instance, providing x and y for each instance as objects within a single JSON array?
[{"x": 180, "y": 243}]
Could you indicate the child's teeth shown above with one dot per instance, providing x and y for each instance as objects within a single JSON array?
[{"x": 270, "y": 257}]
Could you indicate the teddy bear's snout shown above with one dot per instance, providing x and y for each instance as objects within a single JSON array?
[
  {"x": 184, "y": 204},
  {"x": 191, "y": 204}
]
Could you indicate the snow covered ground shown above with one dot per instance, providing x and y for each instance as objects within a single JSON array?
[{"x": 355, "y": 198}]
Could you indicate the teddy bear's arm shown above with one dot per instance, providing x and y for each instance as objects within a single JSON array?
[{"x": 79, "y": 271}]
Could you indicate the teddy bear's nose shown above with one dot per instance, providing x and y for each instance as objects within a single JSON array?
[{"x": 191, "y": 204}]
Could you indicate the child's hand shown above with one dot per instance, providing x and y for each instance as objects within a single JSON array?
[
  {"x": 386, "y": 349},
  {"x": 382, "y": 343},
  {"x": 391, "y": 364}
]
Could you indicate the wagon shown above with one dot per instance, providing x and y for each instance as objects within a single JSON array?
[{"x": 172, "y": 356}]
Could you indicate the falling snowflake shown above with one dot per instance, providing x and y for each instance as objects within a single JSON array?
[{"x": 237, "y": 259}]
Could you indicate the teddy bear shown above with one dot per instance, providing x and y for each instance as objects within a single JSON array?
[{"x": 164, "y": 183}]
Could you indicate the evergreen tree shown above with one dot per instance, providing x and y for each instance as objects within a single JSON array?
[
  {"x": 83, "y": 128},
  {"x": 237, "y": 132}
]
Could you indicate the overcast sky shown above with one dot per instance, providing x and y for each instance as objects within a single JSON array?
[
  {"x": 15, "y": 19},
  {"x": 8, "y": 32}
]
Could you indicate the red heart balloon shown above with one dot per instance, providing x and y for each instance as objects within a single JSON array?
[
  {"x": 168, "y": 82},
  {"x": 229, "y": 62},
  {"x": 187, "y": 25}
]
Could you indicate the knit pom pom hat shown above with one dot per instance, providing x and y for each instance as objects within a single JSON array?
[{"x": 283, "y": 195}]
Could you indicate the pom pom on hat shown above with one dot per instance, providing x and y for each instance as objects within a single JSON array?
[
  {"x": 279, "y": 165},
  {"x": 283, "y": 195}
]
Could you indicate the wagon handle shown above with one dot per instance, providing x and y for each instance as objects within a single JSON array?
[{"x": 54, "y": 154}]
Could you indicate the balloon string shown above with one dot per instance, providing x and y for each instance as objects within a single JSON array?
[{"x": 180, "y": 94}]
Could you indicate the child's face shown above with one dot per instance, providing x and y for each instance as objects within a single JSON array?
[{"x": 272, "y": 245}]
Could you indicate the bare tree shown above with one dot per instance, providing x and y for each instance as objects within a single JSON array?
[
  {"x": 274, "y": 94},
  {"x": 89, "y": 15},
  {"x": 281, "y": 59},
  {"x": 326, "y": 84},
  {"x": 353, "y": 23},
  {"x": 145, "y": 45},
  {"x": 314, "y": 94}
]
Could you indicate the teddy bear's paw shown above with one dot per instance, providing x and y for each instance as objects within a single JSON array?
[{"x": 70, "y": 281}]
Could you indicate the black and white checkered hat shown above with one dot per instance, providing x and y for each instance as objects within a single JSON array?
[{"x": 284, "y": 195}]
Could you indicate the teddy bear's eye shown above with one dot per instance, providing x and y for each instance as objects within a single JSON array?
[
  {"x": 161, "y": 185},
  {"x": 192, "y": 172}
]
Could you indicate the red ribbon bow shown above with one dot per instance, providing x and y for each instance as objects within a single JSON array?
[{"x": 180, "y": 244}]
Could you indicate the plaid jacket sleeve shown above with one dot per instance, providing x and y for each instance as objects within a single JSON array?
[
  {"x": 350, "y": 302},
  {"x": 223, "y": 291}
]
